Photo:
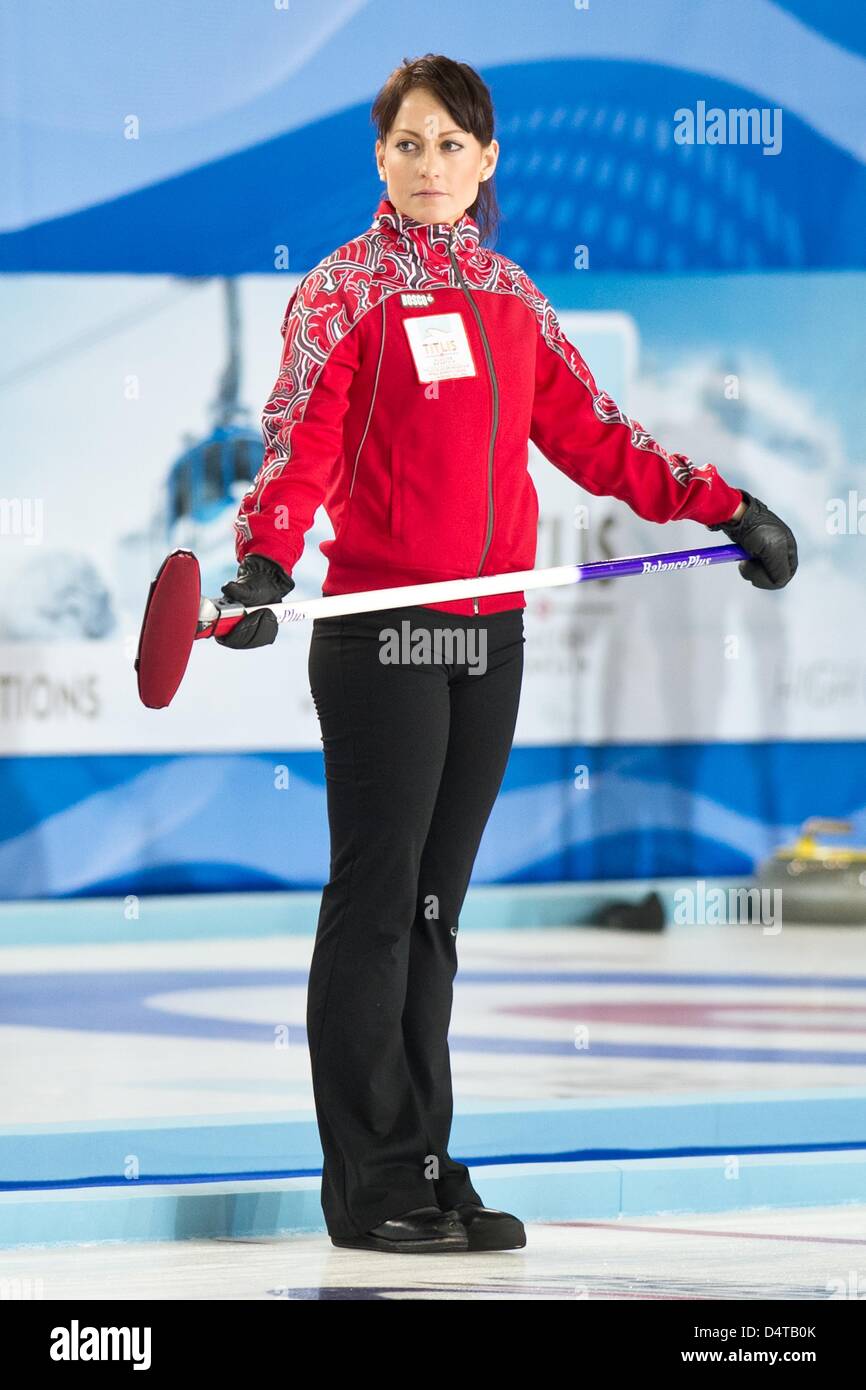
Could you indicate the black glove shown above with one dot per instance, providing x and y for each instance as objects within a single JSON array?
[
  {"x": 259, "y": 580},
  {"x": 768, "y": 540}
]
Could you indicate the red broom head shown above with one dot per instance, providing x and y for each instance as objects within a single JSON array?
[{"x": 168, "y": 628}]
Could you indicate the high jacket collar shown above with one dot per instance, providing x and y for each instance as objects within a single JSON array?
[{"x": 429, "y": 241}]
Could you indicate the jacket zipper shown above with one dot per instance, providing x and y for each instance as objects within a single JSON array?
[{"x": 495, "y": 385}]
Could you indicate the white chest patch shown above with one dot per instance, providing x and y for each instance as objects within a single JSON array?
[{"x": 439, "y": 347}]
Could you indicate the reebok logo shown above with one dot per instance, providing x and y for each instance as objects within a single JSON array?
[
  {"x": 75, "y": 1343},
  {"x": 416, "y": 301}
]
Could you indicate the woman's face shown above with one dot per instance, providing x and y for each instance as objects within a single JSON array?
[{"x": 426, "y": 153}]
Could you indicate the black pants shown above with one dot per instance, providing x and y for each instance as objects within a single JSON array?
[{"x": 415, "y": 752}]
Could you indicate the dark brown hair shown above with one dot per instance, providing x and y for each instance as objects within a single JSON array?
[{"x": 467, "y": 100}]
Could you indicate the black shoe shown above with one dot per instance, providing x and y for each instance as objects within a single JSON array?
[
  {"x": 491, "y": 1230},
  {"x": 423, "y": 1231}
]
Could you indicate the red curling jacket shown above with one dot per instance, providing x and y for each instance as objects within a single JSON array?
[{"x": 416, "y": 365}]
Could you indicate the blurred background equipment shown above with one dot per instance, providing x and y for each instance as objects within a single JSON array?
[
  {"x": 821, "y": 876},
  {"x": 646, "y": 914}
]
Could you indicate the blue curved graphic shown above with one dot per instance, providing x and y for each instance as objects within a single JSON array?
[
  {"x": 588, "y": 157},
  {"x": 112, "y": 825}
]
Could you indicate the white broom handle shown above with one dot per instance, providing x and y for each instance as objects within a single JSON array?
[{"x": 447, "y": 590}]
